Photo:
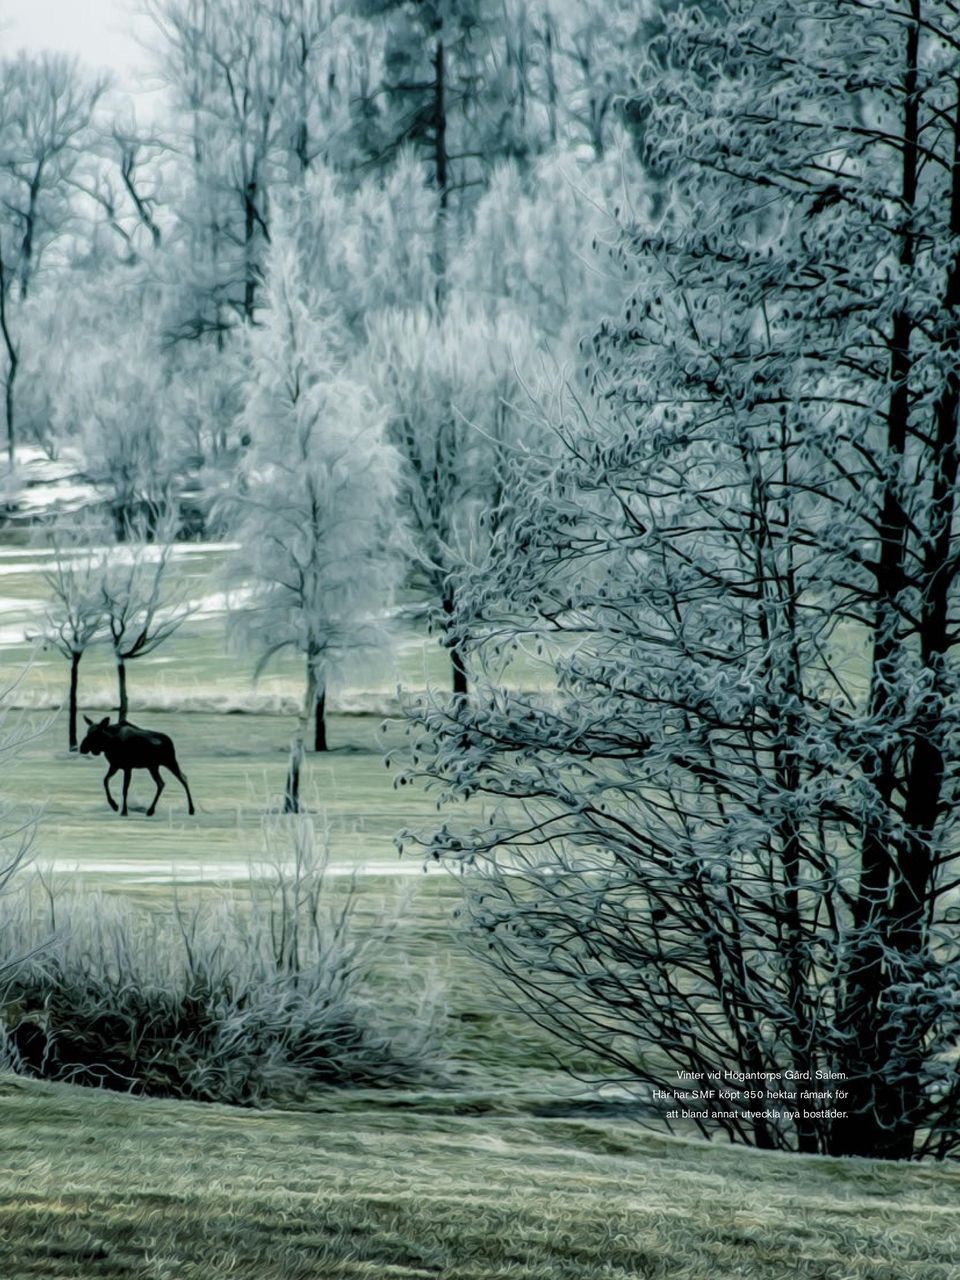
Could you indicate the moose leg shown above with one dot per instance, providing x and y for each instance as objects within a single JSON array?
[
  {"x": 175, "y": 770},
  {"x": 126, "y": 788},
  {"x": 106, "y": 786},
  {"x": 155, "y": 775}
]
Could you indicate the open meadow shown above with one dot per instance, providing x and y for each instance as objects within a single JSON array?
[{"x": 501, "y": 1166}]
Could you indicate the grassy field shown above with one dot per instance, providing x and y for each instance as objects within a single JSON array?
[
  {"x": 502, "y": 1170},
  {"x": 236, "y": 765},
  {"x": 106, "y": 1188}
]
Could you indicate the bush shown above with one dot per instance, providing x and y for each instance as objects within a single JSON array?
[{"x": 257, "y": 997}]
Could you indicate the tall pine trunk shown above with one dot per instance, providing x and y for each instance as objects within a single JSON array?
[
  {"x": 441, "y": 171},
  {"x": 909, "y": 938},
  {"x": 9, "y": 404}
]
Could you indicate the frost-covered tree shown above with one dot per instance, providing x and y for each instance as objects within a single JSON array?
[
  {"x": 727, "y": 842},
  {"x": 583, "y": 54},
  {"x": 223, "y": 62},
  {"x": 46, "y": 108},
  {"x": 470, "y": 83},
  {"x": 327, "y": 57},
  {"x": 130, "y": 444},
  {"x": 368, "y": 246},
  {"x": 538, "y": 240},
  {"x": 261, "y": 93},
  {"x": 205, "y": 400},
  {"x": 432, "y": 83},
  {"x": 118, "y": 396},
  {"x": 316, "y": 513},
  {"x": 451, "y": 384}
]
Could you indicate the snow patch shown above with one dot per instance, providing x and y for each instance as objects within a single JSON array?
[{"x": 158, "y": 871}]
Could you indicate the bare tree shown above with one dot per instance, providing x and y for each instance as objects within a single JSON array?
[
  {"x": 225, "y": 62},
  {"x": 141, "y": 608},
  {"x": 116, "y": 399},
  {"x": 121, "y": 174},
  {"x": 75, "y": 615}
]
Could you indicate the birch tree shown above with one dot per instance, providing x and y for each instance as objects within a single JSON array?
[
  {"x": 317, "y": 519},
  {"x": 728, "y": 842}
]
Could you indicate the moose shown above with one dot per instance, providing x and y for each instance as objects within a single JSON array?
[{"x": 127, "y": 748}]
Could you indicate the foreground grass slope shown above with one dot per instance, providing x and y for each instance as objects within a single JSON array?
[{"x": 113, "y": 1188}]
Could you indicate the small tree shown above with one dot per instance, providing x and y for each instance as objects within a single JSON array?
[
  {"x": 140, "y": 610},
  {"x": 75, "y": 615},
  {"x": 317, "y": 519}
]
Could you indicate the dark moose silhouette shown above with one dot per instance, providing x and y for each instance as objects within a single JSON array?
[{"x": 127, "y": 748}]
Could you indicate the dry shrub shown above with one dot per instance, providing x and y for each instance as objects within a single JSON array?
[{"x": 261, "y": 995}]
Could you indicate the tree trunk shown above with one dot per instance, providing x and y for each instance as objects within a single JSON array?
[
  {"x": 551, "y": 82},
  {"x": 457, "y": 660},
  {"x": 440, "y": 123},
  {"x": 909, "y": 940},
  {"x": 74, "y": 680},
  {"x": 441, "y": 175},
  {"x": 122, "y": 685},
  {"x": 320, "y": 720},
  {"x": 869, "y": 1128},
  {"x": 249, "y": 231},
  {"x": 291, "y": 797},
  {"x": 459, "y": 671},
  {"x": 121, "y": 524},
  {"x": 13, "y": 361},
  {"x": 9, "y": 405}
]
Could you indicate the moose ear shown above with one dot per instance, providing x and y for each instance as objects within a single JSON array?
[
  {"x": 104, "y": 722},
  {"x": 89, "y": 721}
]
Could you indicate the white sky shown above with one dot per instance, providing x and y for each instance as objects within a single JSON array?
[{"x": 101, "y": 32}]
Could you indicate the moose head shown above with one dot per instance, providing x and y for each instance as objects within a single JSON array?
[{"x": 94, "y": 742}]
